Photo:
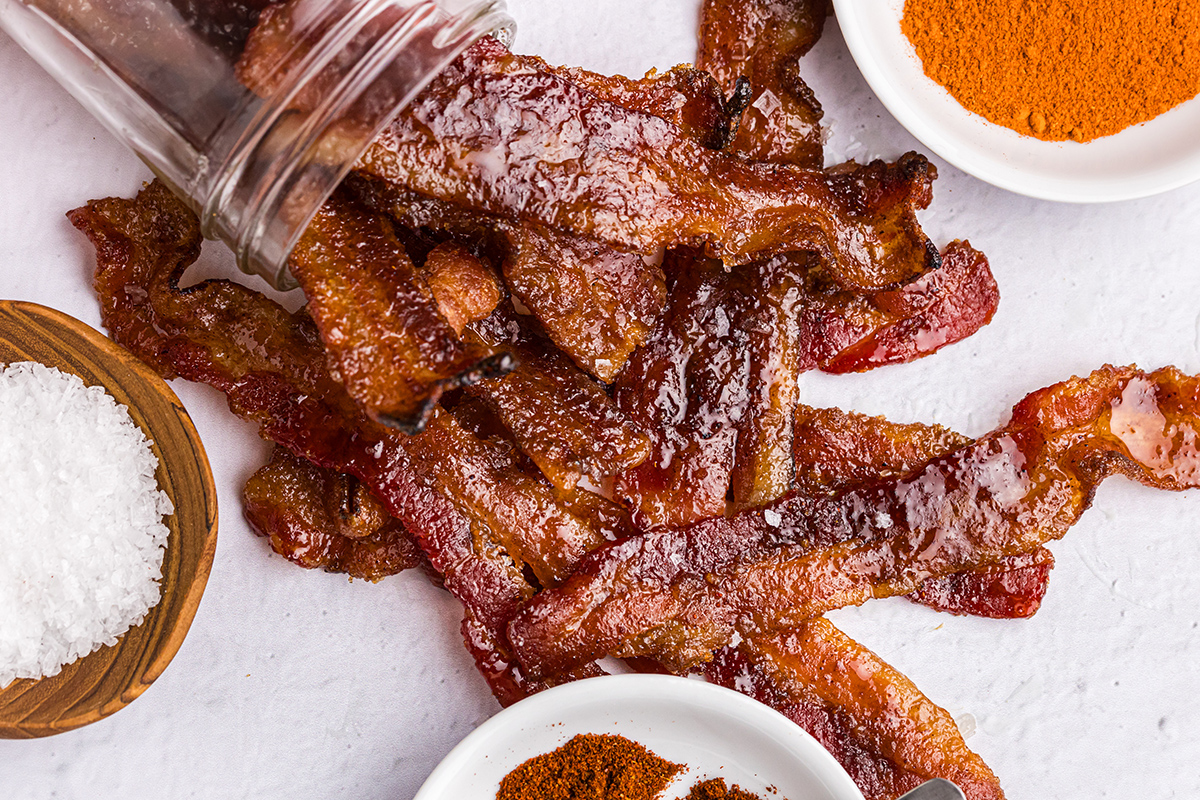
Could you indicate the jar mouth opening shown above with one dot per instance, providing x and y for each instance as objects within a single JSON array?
[{"x": 327, "y": 108}]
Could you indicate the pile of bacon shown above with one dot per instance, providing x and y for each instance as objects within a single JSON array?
[{"x": 554, "y": 328}]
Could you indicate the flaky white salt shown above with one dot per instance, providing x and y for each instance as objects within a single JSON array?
[{"x": 81, "y": 531}]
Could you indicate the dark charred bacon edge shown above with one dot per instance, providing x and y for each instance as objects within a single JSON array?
[{"x": 758, "y": 46}]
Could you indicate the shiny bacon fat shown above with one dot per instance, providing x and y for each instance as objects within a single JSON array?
[
  {"x": 762, "y": 43},
  {"x": 675, "y": 595},
  {"x": 493, "y": 135}
]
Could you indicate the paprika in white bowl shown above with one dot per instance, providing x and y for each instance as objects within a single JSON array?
[{"x": 1012, "y": 97}]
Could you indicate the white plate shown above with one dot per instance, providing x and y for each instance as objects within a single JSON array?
[
  {"x": 715, "y": 732},
  {"x": 1146, "y": 159}
]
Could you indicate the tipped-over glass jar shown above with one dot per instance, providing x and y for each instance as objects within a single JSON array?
[{"x": 251, "y": 111}]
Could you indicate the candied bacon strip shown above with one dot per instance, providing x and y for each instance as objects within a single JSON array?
[
  {"x": 939, "y": 308},
  {"x": 596, "y": 303},
  {"x": 835, "y": 450},
  {"x": 492, "y": 135},
  {"x": 321, "y": 519},
  {"x": 465, "y": 290},
  {"x": 716, "y": 385},
  {"x": 883, "y": 730},
  {"x": 687, "y": 388},
  {"x": 763, "y": 468},
  {"x": 703, "y": 373},
  {"x": 677, "y": 595},
  {"x": 392, "y": 348},
  {"x": 272, "y": 368},
  {"x": 763, "y": 41},
  {"x": 559, "y": 416},
  {"x": 610, "y": 520}
]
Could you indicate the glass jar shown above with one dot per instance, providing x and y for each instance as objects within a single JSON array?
[{"x": 168, "y": 77}]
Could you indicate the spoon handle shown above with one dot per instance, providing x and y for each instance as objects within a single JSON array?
[{"x": 936, "y": 789}]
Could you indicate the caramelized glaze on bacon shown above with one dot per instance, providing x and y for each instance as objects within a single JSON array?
[
  {"x": 677, "y": 595},
  {"x": 575, "y": 184},
  {"x": 846, "y": 331},
  {"x": 465, "y": 290},
  {"x": 596, "y": 303},
  {"x": 490, "y": 134},
  {"x": 939, "y": 308},
  {"x": 887, "y": 734},
  {"x": 688, "y": 98},
  {"x": 322, "y": 519},
  {"x": 272, "y": 368},
  {"x": 716, "y": 386},
  {"x": 392, "y": 349},
  {"x": 835, "y": 451},
  {"x": 560, "y": 417},
  {"x": 763, "y": 41},
  {"x": 725, "y": 355},
  {"x": 1012, "y": 588}
]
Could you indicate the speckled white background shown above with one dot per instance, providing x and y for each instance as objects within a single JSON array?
[{"x": 302, "y": 685}]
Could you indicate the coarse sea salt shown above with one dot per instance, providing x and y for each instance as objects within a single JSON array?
[{"x": 81, "y": 531}]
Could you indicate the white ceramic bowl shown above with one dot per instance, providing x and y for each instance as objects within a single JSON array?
[
  {"x": 1146, "y": 159},
  {"x": 715, "y": 732}
]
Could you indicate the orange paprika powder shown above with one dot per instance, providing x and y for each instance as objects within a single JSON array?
[{"x": 1060, "y": 69}]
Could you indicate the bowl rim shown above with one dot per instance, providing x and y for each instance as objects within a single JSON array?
[
  {"x": 28, "y": 328},
  {"x": 556, "y": 704},
  {"x": 904, "y": 103}
]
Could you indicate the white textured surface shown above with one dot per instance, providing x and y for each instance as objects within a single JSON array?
[{"x": 302, "y": 685}]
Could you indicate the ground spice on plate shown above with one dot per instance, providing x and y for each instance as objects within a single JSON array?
[
  {"x": 716, "y": 789},
  {"x": 590, "y": 767},
  {"x": 1060, "y": 69}
]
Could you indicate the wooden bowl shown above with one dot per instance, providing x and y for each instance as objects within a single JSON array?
[{"x": 114, "y": 676}]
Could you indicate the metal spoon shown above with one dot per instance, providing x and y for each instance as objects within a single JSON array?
[{"x": 936, "y": 789}]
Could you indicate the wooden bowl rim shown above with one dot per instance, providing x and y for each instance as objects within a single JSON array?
[{"x": 165, "y": 640}]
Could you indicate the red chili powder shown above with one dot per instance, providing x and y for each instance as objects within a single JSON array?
[
  {"x": 716, "y": 789},
  {"x": 590, "y": 767}
]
